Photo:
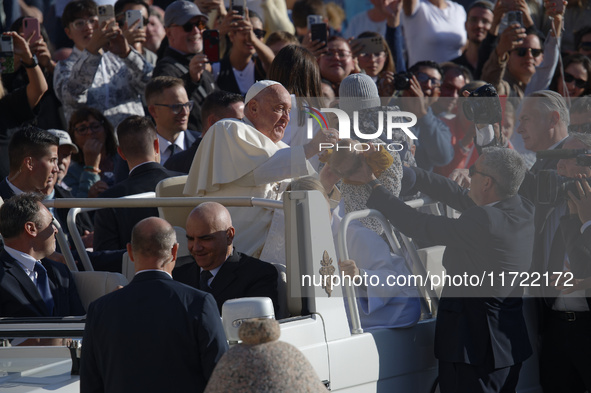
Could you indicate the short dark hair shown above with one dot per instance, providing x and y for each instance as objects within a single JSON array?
[
  {"x": 78, "y": 9},
  {"x": 487, "y": 5},
  {"x": 425, "y": 63},
  {"x": 120, "y": 5},
  {"x": 218, "y": 101},
  {"x": 17, "y": 211},
  {"x": 458, "y": 68},
  {"x": 29, "y": 141},
  {"x": 136, "y": 136},
  {"x": 160, "y": 83},
  {"x": 302, "y": 8}
]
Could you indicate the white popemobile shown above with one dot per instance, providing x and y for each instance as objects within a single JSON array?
[{"x": 346, "y": 358}]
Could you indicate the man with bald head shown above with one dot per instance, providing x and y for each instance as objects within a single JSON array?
[
  {"x": 247, "y": 158},
  {"x": 219, "y": 268},
  {"x": 154, "y": 322}
]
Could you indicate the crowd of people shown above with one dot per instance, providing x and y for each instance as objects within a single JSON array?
[{"x": 94, "y": 107}]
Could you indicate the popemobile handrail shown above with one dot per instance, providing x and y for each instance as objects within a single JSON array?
[{"x": 87, "y": 204}]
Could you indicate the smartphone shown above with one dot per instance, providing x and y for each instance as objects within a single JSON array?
[
  {"x": 105, "y": 12},
  {"x": 239, "y": 8},
  {"x": 31, "y": 29},
  {"x": 132, "y": 16},
  {"x": 6, "y": 54},
  {"x": 211, "y": 45},
  {"x": 314, "y": 19},
  {"x": 514, "y": 17},
  {"x": 370, "y": 44},
  {"x": 319, "y": 32}
]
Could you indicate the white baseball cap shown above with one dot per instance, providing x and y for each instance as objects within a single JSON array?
[{"x": 64, "y": 138}]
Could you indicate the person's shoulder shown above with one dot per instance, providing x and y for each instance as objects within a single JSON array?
[{"x": 252, "y": 263}]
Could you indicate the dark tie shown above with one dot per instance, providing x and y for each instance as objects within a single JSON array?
[
  {"x": 43, "y": 286},
  {"x": 171, "y": 149},
  {"x": 203, "y": 279}
]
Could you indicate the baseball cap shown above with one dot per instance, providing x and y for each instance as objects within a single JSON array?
[
  {"x": 257, "y": 88},
  {"x": 64, "y": 138},
  {"x": 180, "y": 12}
]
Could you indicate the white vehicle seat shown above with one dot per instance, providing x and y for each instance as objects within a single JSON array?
[
  {"x": 92, "y": 285},
  {"x": 173, "y": 187}
]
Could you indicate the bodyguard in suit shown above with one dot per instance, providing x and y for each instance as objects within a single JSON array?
[
  {"x": 139, "y": 146},
  {"x": 30, "y": 284},
  {"x": 480, "y": 338},
  {"x": 170, "y": 108},
  {"x": 219, "y": 268},
  {"x": 155, "y": 334}
]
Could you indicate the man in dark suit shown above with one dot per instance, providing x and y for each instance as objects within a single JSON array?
[
  {"x": 170, "y": 107},
  {"x": 139, "y": 146},
  {"x": 219, "y": 268},
  {"x": 153, "y": 320},
  {"x": 217, "y": 106},
  {"x": 481, "y": 338},
  {"x": 30, "y": 284}
]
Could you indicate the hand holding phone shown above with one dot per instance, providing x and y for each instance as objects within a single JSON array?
[
  {"x": 6, "y": 54},
  {"x": 319, "y": 32},
  {"x": 105, "y": 12},
  {"x": 211, "y": 45},
  {"x": 133, "y": 16},
  {"x": 31, "y": 29}
]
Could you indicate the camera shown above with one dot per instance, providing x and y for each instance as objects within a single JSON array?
[
  {"x": 483, "y": 106},
  {"x": 582, "y": 156},
  {"x": 553, "y": 188},
  {"x": 402, "y": 80}
]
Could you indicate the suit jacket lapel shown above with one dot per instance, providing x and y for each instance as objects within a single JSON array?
[
  {"x": 225, "y": 275},
  {"x": 28, "y": 287}
]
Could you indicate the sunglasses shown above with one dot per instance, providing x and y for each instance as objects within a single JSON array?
[
  {"x": 521, "y": 52},
  {"x": 424, "y": 78},
  {"x": 579, "y": 83},
  {"x": 585, "y": 45},
  {"x": 259, "y": 33},
  {"x": 189, "y": 26}
]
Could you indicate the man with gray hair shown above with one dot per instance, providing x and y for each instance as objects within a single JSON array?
[
  {"x": 154, "y": 317},
  {"x": 477, "y": 350}
]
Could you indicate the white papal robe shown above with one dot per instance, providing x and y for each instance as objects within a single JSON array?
[{"x": 234, "y": 159}]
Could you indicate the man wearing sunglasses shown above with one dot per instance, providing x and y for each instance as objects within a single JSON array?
[
  {"x": 434, "y": 147},
  {"x": 184, "y": 58},
  {"x": 481, "y": 337}
]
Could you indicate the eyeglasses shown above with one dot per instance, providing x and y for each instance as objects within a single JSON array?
[
  {"x": 585, "y": 45},
  {"x": 379, "y": 55},
  {"x": 583, "y": 128},
  {"x": 521, "y": 52},
  {"x": 342, "y": 54},
  {"x": 579, "y": 83},
  {"x": 80, "y": 24},
  {"x": 92, "y": 127},
  {"x": 259, "y": 33},
  {"x": 424, "y": 78},
  {"x": 472, "y": 170},
  {"x": 177, "y": 108},
  {"x": 189, "y": 26}
]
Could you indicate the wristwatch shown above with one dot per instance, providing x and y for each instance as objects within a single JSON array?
[
  {"x": 372, "y": 184},
  {"x": 34, "y": 64}
]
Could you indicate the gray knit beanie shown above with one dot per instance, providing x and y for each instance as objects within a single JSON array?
[{"x": 358, "y": 92}]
